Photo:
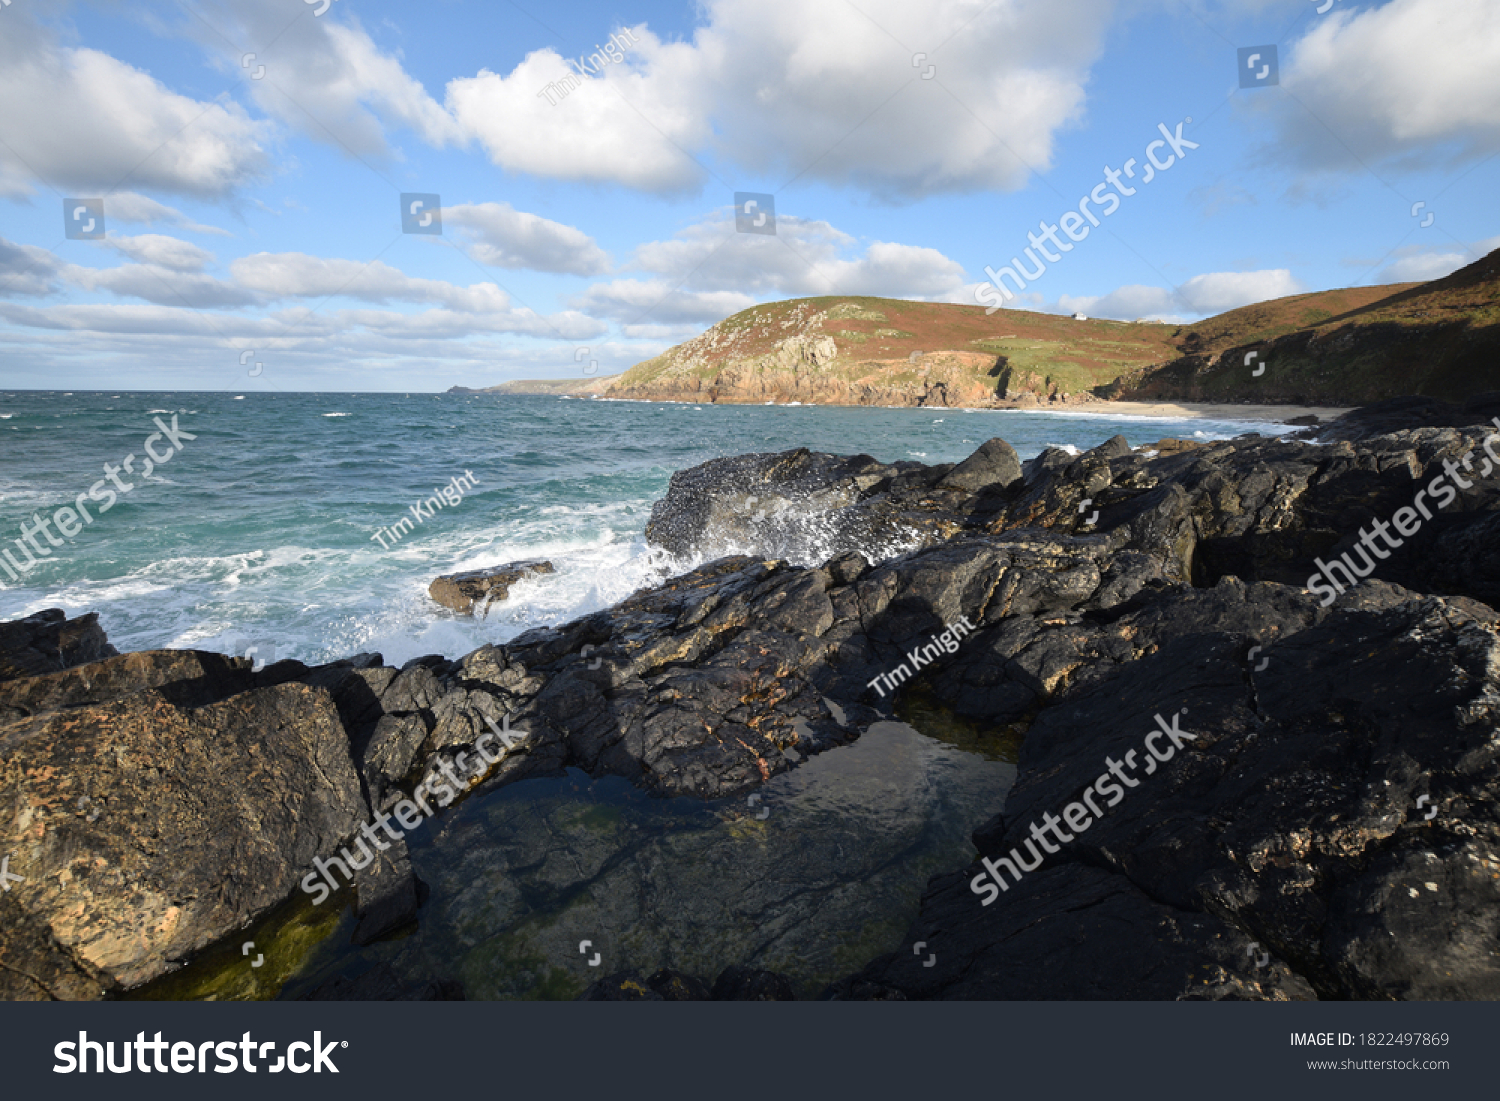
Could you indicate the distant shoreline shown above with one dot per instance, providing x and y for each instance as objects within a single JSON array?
[
  {"x": 1187, "y": 410},
  {"x": 1205, "y": 410}
]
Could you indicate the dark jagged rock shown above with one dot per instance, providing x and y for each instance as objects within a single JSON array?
[
  {"x": 48, "y": 642},
  {"x": 1290, "y": 822},
  {"x": 1095, "y": 591},
  {"x": 795, "y": 504},
  {"x": 994, "y": 464},
  {"x": 1465, "y": 558},
  {"x": 146, "y": 829},
  {"x": 746, "y": 984},
  {"x": 187, "y": 678},
  {"x": 736, "y": 984},
  {"x": 1383, "y": 418},
  {"x": 463, "y": 592}
]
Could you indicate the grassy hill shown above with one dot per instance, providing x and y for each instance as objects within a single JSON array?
[
  {"x": 1439, "y": 339},
  {"x": 886, "y": 351},
  {"x": 1338, "y": 347}
]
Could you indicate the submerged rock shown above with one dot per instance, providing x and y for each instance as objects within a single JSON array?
[{"x": 477, "y": 588}]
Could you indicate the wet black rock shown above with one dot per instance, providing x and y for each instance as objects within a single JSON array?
[
  {"x": 48, "y": 642},
  {"x": 735, "y": 984},
  {"x": 1382, "y": 418},
  {"x": 746, "y": 984},
  {"x": 1284, "y": 853}
]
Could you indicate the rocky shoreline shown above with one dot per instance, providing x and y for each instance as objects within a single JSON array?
[{"x": 1329, "y": 832}]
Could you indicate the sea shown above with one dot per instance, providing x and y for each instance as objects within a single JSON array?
[{"x": 260, "y": 531}]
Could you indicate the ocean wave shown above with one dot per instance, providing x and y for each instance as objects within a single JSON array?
[{"x": 1137, "y": 417}]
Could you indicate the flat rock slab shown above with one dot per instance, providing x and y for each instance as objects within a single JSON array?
[
  {"x": 145, "y": 831},
  {"x": 462, "y": 591}
]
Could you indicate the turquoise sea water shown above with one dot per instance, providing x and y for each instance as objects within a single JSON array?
[{"x": 259, "y": 531}]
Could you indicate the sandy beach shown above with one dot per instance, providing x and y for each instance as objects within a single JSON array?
[{"x": 1278, "y": 414}]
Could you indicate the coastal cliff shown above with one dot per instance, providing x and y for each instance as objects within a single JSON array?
[
  {"x": 1337, "y": 348},
  {"x": 878, "y": 351}
]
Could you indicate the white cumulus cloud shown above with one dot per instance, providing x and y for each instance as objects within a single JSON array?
[
  {"x": 163, "y": 251},
  {"x": 805, "y": 257},
  {"x": 81, "y": 119},
  {"x": 503, "y": 237},
  {"x": 830, "y": 92},
  {"x": 324, "y": 77},
  {"x": 1409, "y": 80},
  {"x": 636, "y": 300},
  {"x": 1218, "y": 291}
]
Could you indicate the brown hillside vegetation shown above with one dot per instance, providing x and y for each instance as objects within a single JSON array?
[
  {"x": 884, "y": 351},
  {"x": 1439, "y": 339},
  {"x": 1338, "y": 347}
]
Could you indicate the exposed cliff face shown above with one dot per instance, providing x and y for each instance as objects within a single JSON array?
[
  {"x": 1339, "y": 347},
  {"x": 871, "y": 351}
]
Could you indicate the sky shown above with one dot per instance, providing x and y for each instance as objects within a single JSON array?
[{"x": 577, "y": 164}]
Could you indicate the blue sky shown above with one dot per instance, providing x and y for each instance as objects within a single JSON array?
[{"x": 261, "y": 215}]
